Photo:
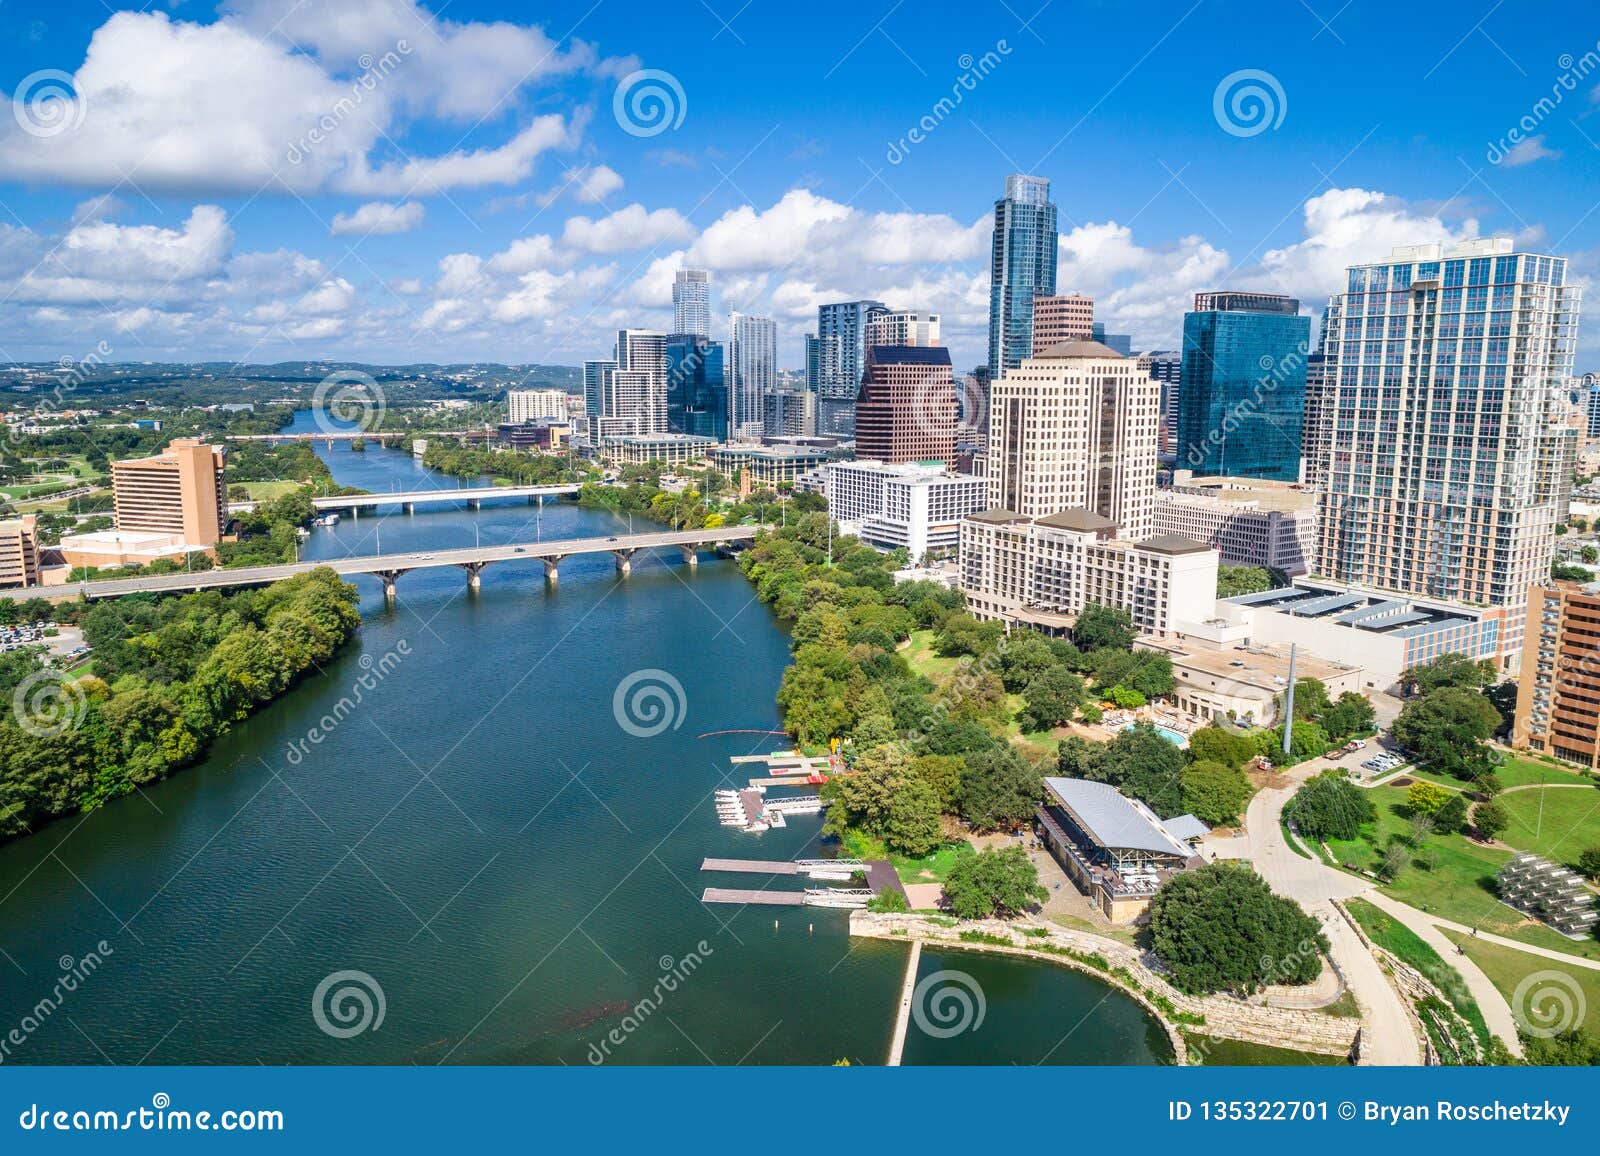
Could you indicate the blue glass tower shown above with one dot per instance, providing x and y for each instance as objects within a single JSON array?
[
  {"x": 697, "y": 391},
  {"x": 1023, "y": 266},
  {"x": 1242, "y": 387}
]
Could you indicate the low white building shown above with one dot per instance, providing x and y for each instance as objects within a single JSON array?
[
  {"x": 1251, "y": 521},
  {"x": 525, "y": 405},
  {"x": 1041, "y": 572},
  {"x": 915, "y": 507}
]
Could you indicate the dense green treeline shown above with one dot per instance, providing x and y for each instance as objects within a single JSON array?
[{"x": 171, "y": 674}]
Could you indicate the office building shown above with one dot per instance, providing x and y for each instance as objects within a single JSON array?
[
  {"x": 1165, "y": 367},
  {"x": 181, "y": 492},
  {"x": 906, "y": 410},
  {"x": 1241, "y": 398},
  {"x": 766, "y": 466},
  {"x": 525, "y": 405},
  {"x": 1590, "y": 400},
  {"x": 903, "y": 327},
  {"x": 1316, "y": 426},
  {"x": 634, "y": 401},
  {"x": 596, "y": 381},
  {"x": 917, "y": 508},
  {"x": 548, "y": 435},
  {"x": 1075, "y": 429},
  {"x": 691, "y": 303},
  {"x": 842, "y": 353},
  {"x": 697, "y": 387},
  {"x": 1121, "y": 342},
  {"x": 1065, "y": 318},
  {"x": 1558, "y": 691},
  {"x": 1250, "y": 521},
  {"x": 671, "y": 449},
  {"x": 19, "y": 551},
  {"x": 1022, "y": 267},
  {"x": 788, "y": 413},
  {"x": 752, "y": 373},
  {"x": 1445, "y": 446}
]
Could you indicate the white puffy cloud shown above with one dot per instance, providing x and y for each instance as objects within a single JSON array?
[
  {"x": 626, "y": 230},
  {"x": 1525, "y": 152},
  {"x": 379, "y": 218}
]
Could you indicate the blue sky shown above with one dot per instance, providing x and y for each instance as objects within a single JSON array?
[{"x": 396, "y": 181}]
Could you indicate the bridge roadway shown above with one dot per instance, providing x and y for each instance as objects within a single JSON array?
[
  {"x": 389, "y": 567},
  {"x": 472, "y": 495}
]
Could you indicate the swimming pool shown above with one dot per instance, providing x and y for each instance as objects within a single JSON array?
[{"x": 1176, "y": 738}]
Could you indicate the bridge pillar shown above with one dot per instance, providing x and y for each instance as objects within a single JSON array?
[
  {"x": 624, "y": 561},
  {"x": 691, "y": 555},
  {"x": 389, "y": 578},
  {"x": 408, "y": 507},
  {"x": 474, "y": 569},
  {"x": 474, "y": 503},
  {"x": 552, "y": 571}
]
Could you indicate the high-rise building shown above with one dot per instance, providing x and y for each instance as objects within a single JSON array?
[
  {"x": 635, "y": 405},
  {"x": 1076, "y": 429},
  {"x": 1069, "y": 317},
  {"x": 903, "y": 327},
  {"x": 906, "y": 410},
  {"x": 914, "y": 507},
  {"x": 1242, "y": 396},
  {"x": 1558, "y": 691},
  {"x": 1118, "y": 342},
  {"x": 525, "y": 405},
  {"x": 697, "y": 387},
  {"x": 752, "y": 373},
  {"x": 181, "y": 492},
  {"x": 1442, "y": 472},
  {"x": 691, "y": 303},
  {"x": 1022, "y": 267},
  {"x": 1165, "y": 366},
  {"x": 19, "y": 551},
  {"x": 788, "y": 413},
  {"x": 1251, "y": 521},
  {"x": 1316, "y": 425},
  {"x": 821, "y": 353},
  {"x": 596, "y": 381},
  {"x": 842, "y": 346},
  {"x": 1591, "y": 411}
]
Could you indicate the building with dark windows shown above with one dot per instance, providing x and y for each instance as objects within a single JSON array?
[
  {"x": 841, "y": 353},
  {"x": 1241, "y": 394},
  {"x": 1022, "y": 267},
  {"x": 697, "y": 388},
  {"x": 906, "y": 410}
]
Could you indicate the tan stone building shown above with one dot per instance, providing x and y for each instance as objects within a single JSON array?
[
  {"x": 1065, "y": 318},
  {"x": 179, "y": 491},
  {"x": 19, "y": 552},
  {"x": 1558, "y": 693}
]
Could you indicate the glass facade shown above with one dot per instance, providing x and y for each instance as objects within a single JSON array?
[
  {"x": 697, "y": 390},
  {"x": 1023, "y": 267},
  {"x": 1242, "y": 386}
]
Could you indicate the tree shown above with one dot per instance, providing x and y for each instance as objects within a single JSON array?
[
  {"x": 1307, "y": 740},
  {"x": 1025, "y": 657},
  {"x": 1214, "y": 793},
  {"x": 1455, "y": 670},
  {"x": 999, "y": 789},
  {"x": 1351, "y": 715},
  {"x": 1051, "y": 698},
  {"x": 889, "y": 900},
  {"x": 1233, "y": 581},
  {"x": 1447, "y": 728},
  {"x": 1104, "y": 627},
  {"x": 993, "y": 882},
  {"x": 1126, "y": 697},
  {"x": 1451, "y": 818},
  {"x": 1310, "y": 698},
  {"x": 1215, "y": 744},
  {"x": 1589, "y": 863},
  {"x": 1141, "y": 763},
  {"x": 885, "y": 800},
  {"x": 1220, "y": 928},
  {"x": 1490, "y": 819},
  {"x": 943, "y": 774},
  {"x": 1425, "y": 798},
  {"x": 1330, "y": 806},
  {"x": 961, "y": 634}
]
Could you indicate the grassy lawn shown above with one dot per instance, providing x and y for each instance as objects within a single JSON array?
[
  {"x": 922, "y": 658},
  {"x": 266, "y": 491},
  {"x": 919, "y": 654},
  {"x": 1212, "y": 1052},
  {"x": 1506, "y": 968},
  {"x": 1400, "y": 941},
  {"x": 1558, "y": 824},
  {"x": 930, "y": 869},
  {"x": 1128, "y": 935}
]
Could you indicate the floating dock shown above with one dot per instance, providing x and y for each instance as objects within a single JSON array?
[
  {"x": 880, "y": 874},
  {"x": 750, "y": 809},
  {"x": 747, "y": 898}
]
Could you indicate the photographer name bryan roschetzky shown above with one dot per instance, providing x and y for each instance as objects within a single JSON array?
[{"x": 1543, "y": 1113}]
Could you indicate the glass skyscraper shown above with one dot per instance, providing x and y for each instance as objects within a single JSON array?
[
  {"x": 1242, "y": 386},
  {"x": 697, "y": 389},
  {"x": 691, "y": 303},
  {"x": 842, "y": 353},
  {"x": 1023, "y": 267},
  {"x": 752, "y": 373}
]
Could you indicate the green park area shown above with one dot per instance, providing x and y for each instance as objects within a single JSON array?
[
  {"x": 264, "y": 491},
  {"x": 1507, "y": 968},
  {"x": 1559, "y": 821}
]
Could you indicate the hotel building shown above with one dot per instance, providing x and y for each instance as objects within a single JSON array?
[
  {"x": 1558, "y": 693},
  {"x": 180, "y": 491},
  {"x": 1251, "y": 521},
  {"x": 915, "y": 507},
  {"x": 525, "y": 405},
  {"x": 19, "y": 551}
]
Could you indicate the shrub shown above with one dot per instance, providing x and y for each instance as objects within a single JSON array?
[{"x": 1330, "y": 806}]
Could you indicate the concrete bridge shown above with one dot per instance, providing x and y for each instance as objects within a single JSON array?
[
  {"x": 391, "y": 567},
  {"x": 473, "y": 496}
]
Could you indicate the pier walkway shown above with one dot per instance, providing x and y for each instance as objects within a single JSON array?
[{"x": 902, "y": 1019}]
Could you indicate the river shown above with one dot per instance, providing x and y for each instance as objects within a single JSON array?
[{"x": 488, "y": 847}]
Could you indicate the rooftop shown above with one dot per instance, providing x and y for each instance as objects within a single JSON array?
[
  {"x": 1070, "y": 350},
  {"x": 1113, "y": 820},
  {"x": 1260, "y": 493}
]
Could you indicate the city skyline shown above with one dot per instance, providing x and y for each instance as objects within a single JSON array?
[{"x": 459, "y": 208}]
